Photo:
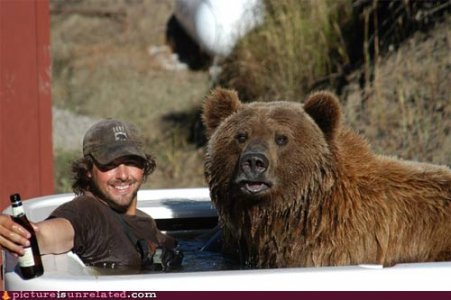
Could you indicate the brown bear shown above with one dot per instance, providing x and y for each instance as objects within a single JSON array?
[{"x": 293, "y": 186}]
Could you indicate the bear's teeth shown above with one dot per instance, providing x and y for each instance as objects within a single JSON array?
[{"x": 255, "y": 187}]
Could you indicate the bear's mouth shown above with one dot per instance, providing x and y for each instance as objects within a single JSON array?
[{"x": 254, "y": 187}]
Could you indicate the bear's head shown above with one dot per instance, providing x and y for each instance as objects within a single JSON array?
[
  {"x": 266, "y": 158},
  {"x": 259, "y": 148}
]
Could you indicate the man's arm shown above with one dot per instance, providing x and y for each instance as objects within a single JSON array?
[{"x": 54, "y": 235}]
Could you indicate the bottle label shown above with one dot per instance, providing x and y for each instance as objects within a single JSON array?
[
  {"x": 18, "y": 211},
  {"x": 27, "y": 260}
]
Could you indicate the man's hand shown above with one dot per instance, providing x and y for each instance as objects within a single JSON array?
[
  {"x": 171, "y": 259},
  {"x": 13, "y": 237}
]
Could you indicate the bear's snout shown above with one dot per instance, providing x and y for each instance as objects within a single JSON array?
[
  {"x": 252, "y": 170},
  {"x": 253, "y": 164}
]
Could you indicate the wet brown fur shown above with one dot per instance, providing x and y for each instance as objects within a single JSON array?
[{"x": 333, "y": 201}]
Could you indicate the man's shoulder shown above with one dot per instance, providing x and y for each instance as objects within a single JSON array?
[
  {"x": 81, "y": 204},
  {"x": 142, "y": 214}
]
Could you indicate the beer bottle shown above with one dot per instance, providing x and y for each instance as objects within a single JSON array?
[{"x": 30, "y": 263}]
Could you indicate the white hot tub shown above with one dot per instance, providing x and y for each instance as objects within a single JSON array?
[{"x": 66, "y": 272}]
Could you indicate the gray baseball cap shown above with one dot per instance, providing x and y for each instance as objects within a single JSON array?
[{"x": 110, "y": 139}]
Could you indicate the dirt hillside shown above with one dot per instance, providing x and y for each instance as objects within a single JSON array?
[{"x": 110, "y": 59}]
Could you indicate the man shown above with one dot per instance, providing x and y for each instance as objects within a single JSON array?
[{"x": 102, "y": 225}]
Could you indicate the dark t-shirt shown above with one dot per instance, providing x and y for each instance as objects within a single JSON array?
[{"x": 100, "y": 238}]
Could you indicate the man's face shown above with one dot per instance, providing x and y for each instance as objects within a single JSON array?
[{"x": 119, "y": 181}]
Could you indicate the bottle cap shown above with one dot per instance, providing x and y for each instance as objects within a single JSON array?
[{"x": 14, "y": 198}]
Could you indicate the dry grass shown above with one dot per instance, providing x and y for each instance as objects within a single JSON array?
[
  {"x": 398, "y": 99},
  {"x": 406, "y": 110},
  {"x": 299, "y": 44}
]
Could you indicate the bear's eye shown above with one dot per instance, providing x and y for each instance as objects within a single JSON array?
[
  {"x": 241, "y": 137},
  {"x": 281, "y": 139}
]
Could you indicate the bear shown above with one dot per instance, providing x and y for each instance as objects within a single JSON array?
[{"x": 295, "y": 187}]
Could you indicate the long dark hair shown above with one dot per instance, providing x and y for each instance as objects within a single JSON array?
[{"x": 82, "y": 166}]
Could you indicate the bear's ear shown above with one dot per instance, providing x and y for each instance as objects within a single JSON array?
[
  {"x": 324, "y": 109},
  {"x": 220, "y": 104}
]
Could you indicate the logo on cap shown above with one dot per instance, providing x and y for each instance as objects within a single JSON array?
[{"x": 119, "y": 133}]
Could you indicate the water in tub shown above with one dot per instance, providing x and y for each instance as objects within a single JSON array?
[{"x": 201, "y": 249}]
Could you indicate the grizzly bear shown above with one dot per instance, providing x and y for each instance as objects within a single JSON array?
[{"x": 294, "y": 186}]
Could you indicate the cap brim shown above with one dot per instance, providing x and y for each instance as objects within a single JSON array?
[{"x": 109, "y": 154}]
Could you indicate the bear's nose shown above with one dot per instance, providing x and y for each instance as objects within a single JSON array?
[{"x": 253, "y": 163}]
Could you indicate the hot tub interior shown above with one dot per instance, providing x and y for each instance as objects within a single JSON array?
[{"x": 189, "y": 215}]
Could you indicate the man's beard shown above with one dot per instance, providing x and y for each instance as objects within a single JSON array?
[{"x": 111, "y": 203}]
